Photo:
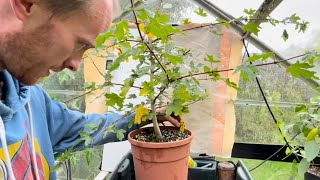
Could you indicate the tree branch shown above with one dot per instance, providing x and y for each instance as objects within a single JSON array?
[
  {"x": 151, "y": 51},
  {"x": 231, "y": 69},
  {"x": 161, "y": 91},
  {"x": 96, "y": 67},
  {"x": 77, "y": 97}
]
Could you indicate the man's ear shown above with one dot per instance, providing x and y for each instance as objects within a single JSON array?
[{"x": 22, "y": 8}]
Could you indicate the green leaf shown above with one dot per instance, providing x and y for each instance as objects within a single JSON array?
[
  {"x": 201, "y": 12},
  {"x": 210, "y": 58},
  {"x": 66, "y": 75},
  {"x": 85, "y": 136},
  {"x": 262, "y": 57},
  {"x": 249, "y": 11},
  {"x": 91, "y": 125},
  {"x": 196, "y": 81},
  {"x": 125, "y": 46},
  {"x": 313, "y": 55},
  {"x": 90, "y": 86},
  {"x": 232, "y": 84},
  {"x": 279, "y": 124},
  {"x": 302, "y": 26},
  {"x": 303, "y": 166},
  {"x": 285, "y": 35},
  {"x": 294, "y": 17},
  {"x": 181, "y": 93},
  {"x": 247, "y": 72},
  {"x": 252, "y": 27},
  {"x": 130, "y": 124},
  {"x": 311, "y": 150},
  {"x": 186, "y": 21},
  {"x": 119, "y": 60},
  {"x": 88, "y": 156},
  {"x": 120, "y": 134},
  {"x": 306, "y": 131},
  {"x": 294, "y": 168},
  {"x": 175, "y": 107},
  {"x": 224, "y": 23},
  {"x": 102, "y": 38},
  {"x": 297, "y": 127},
  {"x": 206, "y": 69},
  {"x": 216, "y": 33},
  {"x": 56, "y": 167},
  {"x": 136, "y": 51},
  {"x": 160, "y": 30},
  {"x": 301, "y": 70},
  {"x": 126, "y": 87},
  {"x": 147, "y": 90},
  {"x": 163, "y": 18},
  {"x": 145, "y": 14},
  {"x": 301, "y": 107},
  {"x": 113, "y": 99},
  {"x": 122, "y": 29},
  {"x": 132, "y": 96},
  {"x": 288, "y": 151},
  {"x": 315, "y": 99},
  {"x": 173, "y": 59}
]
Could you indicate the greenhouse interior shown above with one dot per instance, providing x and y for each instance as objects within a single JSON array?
[{"x": 193, "y": 89}]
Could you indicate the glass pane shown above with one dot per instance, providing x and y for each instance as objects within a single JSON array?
[
  {"x": 297, "y": 42},
  {"x": 254, "y": 122},
  {"x": 177, "y": 10},
  {"x": 63, "y": 87},
  {"x": 235, "y": 7}
]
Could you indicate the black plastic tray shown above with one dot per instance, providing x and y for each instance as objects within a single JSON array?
[{"x": 125, "y": 169}]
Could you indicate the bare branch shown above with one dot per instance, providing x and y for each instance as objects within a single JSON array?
[{"x": 231, "y": 69}]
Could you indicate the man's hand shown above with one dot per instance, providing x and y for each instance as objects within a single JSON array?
[{"x": 162, "y": 117}]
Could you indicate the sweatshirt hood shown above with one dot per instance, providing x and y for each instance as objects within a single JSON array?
[{"x": 15, "y": 94}]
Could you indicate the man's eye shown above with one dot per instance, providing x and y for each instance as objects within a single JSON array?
[{"x": 82, "y": 46}]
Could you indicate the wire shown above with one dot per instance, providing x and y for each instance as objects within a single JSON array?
[
  {"x": 265, "y": 99},
  {"x": 267, "y": 159},
  {"x": 273, "y": 117}
]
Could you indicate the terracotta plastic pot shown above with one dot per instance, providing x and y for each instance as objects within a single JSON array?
[{"x": 160, "y": 161}]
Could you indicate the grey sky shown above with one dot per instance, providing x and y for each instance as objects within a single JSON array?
[{"x": 307, "y": 10}]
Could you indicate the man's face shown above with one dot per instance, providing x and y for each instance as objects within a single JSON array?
[{"x": 54, "y": 44}]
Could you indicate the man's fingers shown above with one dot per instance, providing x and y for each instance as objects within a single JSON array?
[
  {"x": 172, "y": 120},
  {"x": 178, "y": 118}
]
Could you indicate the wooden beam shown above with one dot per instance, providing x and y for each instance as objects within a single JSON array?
[{"x": 263, "y": 12}]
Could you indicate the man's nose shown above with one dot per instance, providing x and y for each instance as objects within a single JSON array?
[{"x": 73, "y": 64}]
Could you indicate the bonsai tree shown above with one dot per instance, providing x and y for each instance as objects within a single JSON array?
[
  {"x": 158, "y": 72},
  {"x": 159, "y": 62}
]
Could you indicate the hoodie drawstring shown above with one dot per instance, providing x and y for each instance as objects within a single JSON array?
[
  {"x": 5, "y": 149},
  {"x": 34, "y": 159},
  {"x": 5, "y": 146}
]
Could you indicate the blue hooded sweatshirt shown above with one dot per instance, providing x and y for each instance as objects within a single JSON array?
[{"x": 55, "y": 129}]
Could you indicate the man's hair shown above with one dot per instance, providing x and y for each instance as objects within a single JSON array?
[{"x": 66, "y": 7}]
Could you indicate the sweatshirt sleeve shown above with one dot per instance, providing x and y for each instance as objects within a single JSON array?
[{"x": 65, "y": 125}]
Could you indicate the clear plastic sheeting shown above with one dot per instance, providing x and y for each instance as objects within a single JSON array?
[
  {"x": 176, "y": 9},
  {"x": 213, "y": 121}
]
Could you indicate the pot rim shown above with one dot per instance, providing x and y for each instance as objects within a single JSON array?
[{"x": 159, "y": 144}]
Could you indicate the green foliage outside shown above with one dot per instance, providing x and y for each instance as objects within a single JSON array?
[{"x": 271, "y": 170}]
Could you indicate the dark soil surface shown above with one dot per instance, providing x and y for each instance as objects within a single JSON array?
[
  {"x": 314, "y": 170},
  {"x": 169, "y": 135}
]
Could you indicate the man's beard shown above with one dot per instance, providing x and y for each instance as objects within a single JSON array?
[{"x": 24, "y": 54}]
